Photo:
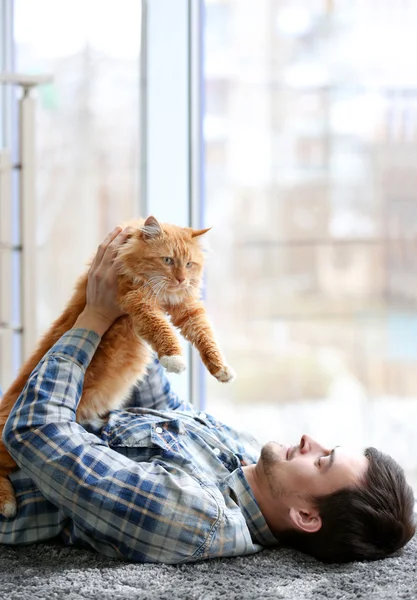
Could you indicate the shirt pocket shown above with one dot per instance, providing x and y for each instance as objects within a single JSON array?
[
  {"x": 168, "y": 435},
  {"x": 139, "y": 432}
]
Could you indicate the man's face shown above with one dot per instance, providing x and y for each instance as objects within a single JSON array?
[{"x": 310, "y": 469}]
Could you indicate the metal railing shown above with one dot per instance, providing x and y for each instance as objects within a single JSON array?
[{"x": 26, "y": 200}]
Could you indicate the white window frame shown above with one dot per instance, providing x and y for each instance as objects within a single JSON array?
[{"x": 171, "y": 130}]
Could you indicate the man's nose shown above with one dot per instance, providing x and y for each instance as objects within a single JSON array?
[{"x": 309, "y": 444}]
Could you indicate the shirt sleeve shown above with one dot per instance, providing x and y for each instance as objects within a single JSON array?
[{"x": 141, "y": 511}]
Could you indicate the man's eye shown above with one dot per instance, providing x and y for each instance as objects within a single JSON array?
[
  {"x": 167, "y": 260},
  {"x": 318, "y": 461}
]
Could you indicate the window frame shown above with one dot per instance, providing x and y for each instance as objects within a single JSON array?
[{"x": 172, "y": 107}]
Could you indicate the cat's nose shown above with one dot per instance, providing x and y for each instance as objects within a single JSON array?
[{"x": 180, "y": 278}]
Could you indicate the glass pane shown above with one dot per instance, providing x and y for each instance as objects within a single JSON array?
[
  {"x": 310, "y": 142},
  {"x": 87, "y": 131}
]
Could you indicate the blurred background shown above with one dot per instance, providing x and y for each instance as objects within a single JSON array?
[{"x": 290, "y": 126}]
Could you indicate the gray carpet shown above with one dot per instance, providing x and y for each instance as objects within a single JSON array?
[{"x": 51, "y": 571}]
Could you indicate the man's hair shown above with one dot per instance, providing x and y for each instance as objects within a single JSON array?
[{"x": 366, "y": 522}]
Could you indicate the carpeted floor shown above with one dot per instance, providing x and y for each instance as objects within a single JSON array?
[{"x": 50, "y": 571}]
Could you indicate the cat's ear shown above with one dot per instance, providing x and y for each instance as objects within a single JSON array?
[
  {"x": 151, "y": 228},
  {"x": 198, "y": 232}
]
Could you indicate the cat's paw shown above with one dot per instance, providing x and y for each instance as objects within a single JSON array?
[
  {"x": 173, "y": 364},
  {"x": 8, "y": 505},
  {"x": 225, "y": 374},
  {"x": 8, "y": 508}
]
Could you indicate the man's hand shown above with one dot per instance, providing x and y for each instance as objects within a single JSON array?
[{"x": 101, "y": 308}]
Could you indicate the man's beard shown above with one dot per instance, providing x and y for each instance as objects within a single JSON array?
[
  {"x": 270, "y": 456},
  {"x": 270, "y": 459}
]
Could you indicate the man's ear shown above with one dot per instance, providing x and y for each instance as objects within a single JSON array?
[{"x": 306, "y": 519}]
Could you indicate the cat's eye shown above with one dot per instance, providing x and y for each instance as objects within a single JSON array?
[
  {"x": 189, "y": 264},
  {"x": 168, "y": 260}
]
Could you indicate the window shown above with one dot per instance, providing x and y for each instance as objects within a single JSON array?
[
  {"x": 87, "y": 129},
  {"x": 310, "y": 138}
]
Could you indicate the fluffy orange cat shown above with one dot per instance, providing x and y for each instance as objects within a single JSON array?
[{"x": 160, "y": 273}]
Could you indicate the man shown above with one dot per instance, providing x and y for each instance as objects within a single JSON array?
[{"x": 160, "y": 482}]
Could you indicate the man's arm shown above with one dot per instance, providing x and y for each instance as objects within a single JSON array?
[
  {"x": 101, "y": 311},
  {"x": 118, "y": 506}
]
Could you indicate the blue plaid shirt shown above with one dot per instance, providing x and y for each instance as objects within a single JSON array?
[{"x": 157, "y": 482}]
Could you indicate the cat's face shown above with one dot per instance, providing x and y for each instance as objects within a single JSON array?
[{"x": 165, "y": 260}]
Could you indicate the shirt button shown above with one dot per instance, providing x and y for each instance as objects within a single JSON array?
[
  {"x": 202, "y": 415},
  {"x": 158, "y": 429},
  {"x": 216, "y": 451}
]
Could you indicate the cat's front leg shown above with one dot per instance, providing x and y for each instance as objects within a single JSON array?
[
  {"x": 195, "y": 327},
  {"x": 152, "y": 326}
]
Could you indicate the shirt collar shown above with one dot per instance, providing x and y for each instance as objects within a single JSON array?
[{"x": 255, "y": 520}]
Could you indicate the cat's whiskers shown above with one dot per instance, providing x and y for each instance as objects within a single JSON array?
[
  {"x": 160, "y": 288},
  {"x": 158, "y": 285},
  {"x": 151, "y": 286},
  {"x": 191, "y": 288},
  {"x": 192, "y": 292},
  {"x": 152, "y": 280},
  {"x": 148, "y": 296},
  {"x": 153, "y": 295}
]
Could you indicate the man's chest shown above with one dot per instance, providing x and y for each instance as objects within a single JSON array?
[{"x": 199, "y": 444}]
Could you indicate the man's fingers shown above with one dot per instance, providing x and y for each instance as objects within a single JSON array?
[
  {"x": 104, "y": 245},
  {"x": 115, "y": 243},
  {"x": 105, "y": 252}
]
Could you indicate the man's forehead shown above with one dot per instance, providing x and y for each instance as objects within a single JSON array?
[{"x": 351, "y": 461}]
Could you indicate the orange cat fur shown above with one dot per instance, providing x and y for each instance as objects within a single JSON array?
[{"x": 160, "y": 270}]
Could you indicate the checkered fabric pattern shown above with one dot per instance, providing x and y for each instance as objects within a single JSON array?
[{"x": 158, "y": 482}]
